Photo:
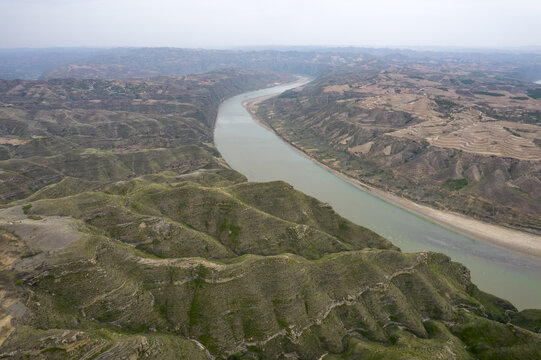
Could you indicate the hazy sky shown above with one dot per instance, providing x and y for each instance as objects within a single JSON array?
[{"x": 227, "y": 23}]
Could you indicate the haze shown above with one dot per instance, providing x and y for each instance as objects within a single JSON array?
[{"x": 220, "y": 24}]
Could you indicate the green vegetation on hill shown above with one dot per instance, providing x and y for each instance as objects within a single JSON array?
[
  {"x": 535, "y": 93},
  {"x": 148, "y": 246},
  {"x": 455, "y": 184}
]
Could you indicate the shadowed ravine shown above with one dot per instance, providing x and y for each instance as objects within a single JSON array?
[{"x": 262, "y": 156}]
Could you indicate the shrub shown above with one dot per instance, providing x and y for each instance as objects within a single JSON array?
[
  {"x": 534, "y": 93},
  {"x": 455, "y": 184},
  {"x": 488, "y": 93}
]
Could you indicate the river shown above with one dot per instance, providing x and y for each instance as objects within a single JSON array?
[{"x": 263, "y": 156}]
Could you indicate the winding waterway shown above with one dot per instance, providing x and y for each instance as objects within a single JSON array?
[{"x": 262, "y": 156}]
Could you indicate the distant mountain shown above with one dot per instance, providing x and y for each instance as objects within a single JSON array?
[
  {"x": 126, "y": 63},
  {"x": 31, "y": 64}
]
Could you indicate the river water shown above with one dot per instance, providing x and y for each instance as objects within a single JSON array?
[{"x": 262, "y": 156}]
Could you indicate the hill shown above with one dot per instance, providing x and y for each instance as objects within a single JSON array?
[
  {"x": 124, "y": 234},
  {"x": 461, "y": 137}
]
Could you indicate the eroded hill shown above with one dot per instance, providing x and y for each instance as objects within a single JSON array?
[
  {"x": 459, "y": 136},
  {"x": 123, "y": 234}
]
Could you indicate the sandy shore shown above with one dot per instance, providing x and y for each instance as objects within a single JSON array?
[{"x": 510, "y": 239}]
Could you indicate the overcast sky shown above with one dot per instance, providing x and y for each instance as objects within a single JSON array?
[{"x": 230, "y": 23}]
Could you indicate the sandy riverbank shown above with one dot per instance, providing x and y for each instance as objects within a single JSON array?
[{"x": 510, "y": 239}]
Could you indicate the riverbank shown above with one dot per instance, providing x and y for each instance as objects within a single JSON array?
[{"x": 503, "y": 237}]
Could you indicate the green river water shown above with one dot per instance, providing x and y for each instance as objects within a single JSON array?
[{"x": 262, "y": 156}]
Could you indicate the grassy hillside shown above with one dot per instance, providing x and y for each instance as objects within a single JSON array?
[
  {"x": 104, "y": 131},
  {"x": 124, "y": 234}
]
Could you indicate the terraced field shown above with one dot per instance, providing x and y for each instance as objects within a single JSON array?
[{"x": 499, "y": 138}]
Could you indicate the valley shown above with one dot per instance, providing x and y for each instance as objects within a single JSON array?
[
  {"x": 262, "y": 156},
  {"x": 126, "y": 232}
]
